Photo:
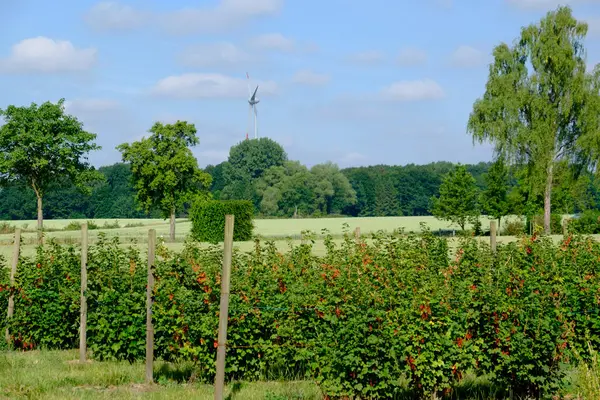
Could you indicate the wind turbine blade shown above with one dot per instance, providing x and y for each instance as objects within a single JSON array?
[{"x": 254, "y": 95}]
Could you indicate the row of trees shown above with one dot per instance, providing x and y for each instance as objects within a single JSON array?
[
  {"x": 506, "y": 191},
  {"x": 540, "y": 109}
]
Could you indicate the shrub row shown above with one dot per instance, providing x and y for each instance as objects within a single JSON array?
[
  {"x": 372, "y": 320},
  {"x": 208, "y": 219},
  {"x": 587, "y": 223}
]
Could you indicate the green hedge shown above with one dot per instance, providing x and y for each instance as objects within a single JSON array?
[
  {"x": 208, "y": 219},
  {"x": 392, "y": 318},
  {"x": 588, "y": 223}
]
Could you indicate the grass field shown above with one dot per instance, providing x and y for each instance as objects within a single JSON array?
[
  {"x": 279, "y": 230},
  {"x": 58, "y": 375}
]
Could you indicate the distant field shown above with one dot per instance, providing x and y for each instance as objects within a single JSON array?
[{"x": 270, "y": 229}]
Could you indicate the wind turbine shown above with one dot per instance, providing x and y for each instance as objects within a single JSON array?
[{"x": 252, "y": 102}]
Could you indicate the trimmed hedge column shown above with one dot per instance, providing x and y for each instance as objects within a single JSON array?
[{"x": 208, "y": 219}]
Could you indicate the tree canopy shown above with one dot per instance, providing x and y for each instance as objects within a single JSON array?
[
  {"x": 164, "y": 170},
  {"x": 43, "y": 146},
  {"x": 540, "y": 106},
  {"x": 494, "y": 199},
  {"x": 457, "y": 202}
]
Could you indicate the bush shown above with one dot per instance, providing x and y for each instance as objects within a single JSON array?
[
  {"x": 208, "y": 219},
  {"x": 513, "y": 228},
  {"x": 372, "y": 320},
  {"x": 588, "y": 223},
  {"x": 538, "y": 224}
]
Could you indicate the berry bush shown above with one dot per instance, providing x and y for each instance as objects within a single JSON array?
[{"x": 396, "y": 316}]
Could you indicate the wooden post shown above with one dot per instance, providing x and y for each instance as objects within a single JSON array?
[
  {"x": 13, "y": 273},
  {"x": 149, "y": 301},
  {"x": 565, "y": 226},
  {"x": 357, "y": 234},
  {"x": 224, "y": 308},
  {"x": 493, "y": 235},
  {"x": 83, "y": 299}
]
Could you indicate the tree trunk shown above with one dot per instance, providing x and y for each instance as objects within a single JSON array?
[
  {"x": 40, "y": 220},
  {"x": 499, "y": 220},
  {"x": 172, "y": 226},
  {"x": 547, "y": 201}
]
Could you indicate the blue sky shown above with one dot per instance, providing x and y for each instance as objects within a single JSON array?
[{"x": 349, "y": 81}]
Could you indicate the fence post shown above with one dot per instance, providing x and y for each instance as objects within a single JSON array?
[
  {"x": 149, "y": 301},
  {"x": 357, "y": 234},
  {"x": 493, "y": 235},
  {"x": 224, "y": 307},
  {"x": 83, "y": 306},
  {"x": 13, "y": 273}
]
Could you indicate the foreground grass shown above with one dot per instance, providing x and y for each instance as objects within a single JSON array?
[{"x": 58, "y": 375}]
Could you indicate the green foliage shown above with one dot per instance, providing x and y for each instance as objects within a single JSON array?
[
  {"x": 537, "y": 223},
  {"x": 43, "y": 146},
  {"x": 208, "y": 219},
  {"x": 47, "y": 300},
  {"x": 294, "y": 190},
  {"x": 514, "y": 228},
  {"x": 494, "y": 199},
  {"x": 247, "y": 162},
  {"x": 587, "y": 223},
  {"x": 117, "y": 299},
  {"x": 540, "y": 105},
  {"x": 458, "y": 198},
  {"x": 165, "y": 172},
  {"x": 392, "y": 318}
]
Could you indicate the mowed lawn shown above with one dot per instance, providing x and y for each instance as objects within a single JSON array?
[{"x": 282, "y": 231}]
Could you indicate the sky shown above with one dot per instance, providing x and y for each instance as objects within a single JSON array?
[{"x": 347, "y": 81}]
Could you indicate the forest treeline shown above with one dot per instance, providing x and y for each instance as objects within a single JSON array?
[{"x": 258, "y": 170}]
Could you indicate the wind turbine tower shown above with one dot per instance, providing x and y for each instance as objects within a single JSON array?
[{"x": 252, "y": 102}]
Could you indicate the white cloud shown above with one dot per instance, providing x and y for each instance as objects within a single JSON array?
[
  {"x": 189, "y": 86},
  {"x": 467, "y": 57},
  {"x": 41, "y": 54},
  {"x": 110, "y": 15},
  {"x": 411, "y": 57},
  {"x": 225, "y": 15},
  {"x": 425, "y": 89},
  {"x": 307, "y": 77},
  {"x": 214, "y": 55},
  {"x": 272, "y": 41},
  {"x": 79, "y": 106},
  {"x": 367, "y": 57}
]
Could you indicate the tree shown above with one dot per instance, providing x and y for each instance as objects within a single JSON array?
[
  {"x": 41, "y": 145},
  {"x": 164, "y": 170},
  {"x": 540, "y": 106},
  {"x": 457, "y": 202},
  {"x": 332, "y": 189},
  {"x": 247, "y": 162},
  {"x": 494, "y": 199}
]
